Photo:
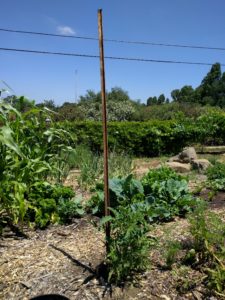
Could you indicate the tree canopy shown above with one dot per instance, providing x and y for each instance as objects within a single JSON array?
[{"x": 211, "y": 91}]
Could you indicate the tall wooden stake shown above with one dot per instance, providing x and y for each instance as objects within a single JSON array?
[{"x": 104, "y": 125}]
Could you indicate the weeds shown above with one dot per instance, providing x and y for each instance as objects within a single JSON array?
[
  {"x": 208, "y": 232},
  {"x": 171, "y": 252},
  {"x": 205, "y": 251}
]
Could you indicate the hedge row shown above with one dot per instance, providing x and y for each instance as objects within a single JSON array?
[{"x": 151, "y": 138}]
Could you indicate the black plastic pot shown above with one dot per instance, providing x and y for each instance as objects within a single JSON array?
[{"x": 50, "y": 297}]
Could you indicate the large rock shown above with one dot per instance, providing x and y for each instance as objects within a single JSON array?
[
  {"x": 174, "y": 158},
  {"x": 187, "y": 155},
  {"x": 179, "y": 167},
  {"x": 200, "y": 164}
]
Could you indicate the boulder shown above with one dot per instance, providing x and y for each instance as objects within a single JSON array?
[
  {"x": 174, "y": 158},
  {"x": 179, "y": 167},
  {"x": 200, "y": 164},
  {"x": 187, "y": 155}
]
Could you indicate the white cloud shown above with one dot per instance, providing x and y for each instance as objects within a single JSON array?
[{"x": 65, "y": 30}]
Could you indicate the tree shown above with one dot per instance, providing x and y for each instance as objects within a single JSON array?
[
  {"x": 184, "y": 95},
  {"x": 209, "y": 89},
  {"x": 50, "y": 104},
  {"x": 119, "y": 105},
  {"x": 70, "y": 112},
  {"x": 161, "y": 99},
  {"x": 175, "y": 95},
  {"x": 152, "y": 101},
  {"x": 117, "y": 94},
  {"x": 90, "y": 96}
]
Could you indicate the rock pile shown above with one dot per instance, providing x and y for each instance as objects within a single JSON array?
[{"x": 187, "y": 160}]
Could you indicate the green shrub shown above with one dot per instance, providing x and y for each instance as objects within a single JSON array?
[
  {"x": 217, "y": 171},
  {"x": 216, "y": 177},
  {"x": 152, "y": 138},
  {"x": 139, "y": 138}
]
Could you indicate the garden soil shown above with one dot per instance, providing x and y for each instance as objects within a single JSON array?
[{"x": 66, "y": 260}]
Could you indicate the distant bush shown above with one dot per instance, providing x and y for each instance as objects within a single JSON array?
[
  {"x": 171, "y": 111},
  {"x": 139, "y": 138},
  {"x": 151, "y": 138}
]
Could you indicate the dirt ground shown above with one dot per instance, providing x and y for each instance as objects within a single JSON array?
[{"x": 64, "y": 259}]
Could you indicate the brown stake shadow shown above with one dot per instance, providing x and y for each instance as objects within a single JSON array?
[{"x": 100, "y": 273}]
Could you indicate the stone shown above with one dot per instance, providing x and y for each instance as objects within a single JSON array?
[
  {"x": 187, "y": 155},
  {"x": 200, "y": 164},
  {"x": 179, "y": 167},
  {"x": 174, "y": 158}
]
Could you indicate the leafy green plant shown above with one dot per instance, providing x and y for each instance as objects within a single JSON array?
[
  {"x": 166, "y": 194},
  {"x": 216, "y": 177},
  {"x": 51, "y": 203},
  {"x": 121, "y": 192},
  {"x": 95, "y": 205},
  {"x": 158, "y": 175},
  {"x": 128, "y": 245},
  {"x": 69, "y": 209},
  {"x": 45, "y": 212}
]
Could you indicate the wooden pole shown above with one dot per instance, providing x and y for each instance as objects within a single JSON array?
[{"x": 104, "y": 125}]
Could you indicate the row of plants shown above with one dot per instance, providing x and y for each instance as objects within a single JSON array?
[
  {"x": 159, "y": 196},
  {"x": 151, "y": 138},
  {"x": 135, "y": 206},
  {"x": 90, "y": 165},
  {"x": 32, "y": 155}
]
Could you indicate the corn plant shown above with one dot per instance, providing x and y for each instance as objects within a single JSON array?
[{"x": 29, "y": 153}]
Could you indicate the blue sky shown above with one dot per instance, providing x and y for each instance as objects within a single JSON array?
[{"x": 39, "y": 77}]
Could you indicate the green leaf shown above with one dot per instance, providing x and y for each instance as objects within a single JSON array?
[
  {"x": 105, "y": 220},
  {"x": 7, "y": 140}
]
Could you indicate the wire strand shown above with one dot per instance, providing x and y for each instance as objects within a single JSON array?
[
  {"x": 107, "y": 57},
  {"x": 114, "y": 40}
]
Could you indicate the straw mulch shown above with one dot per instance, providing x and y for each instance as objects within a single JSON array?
[
  {"x": 48, "y": 262},
  {"x": 61, "y": 260}
]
